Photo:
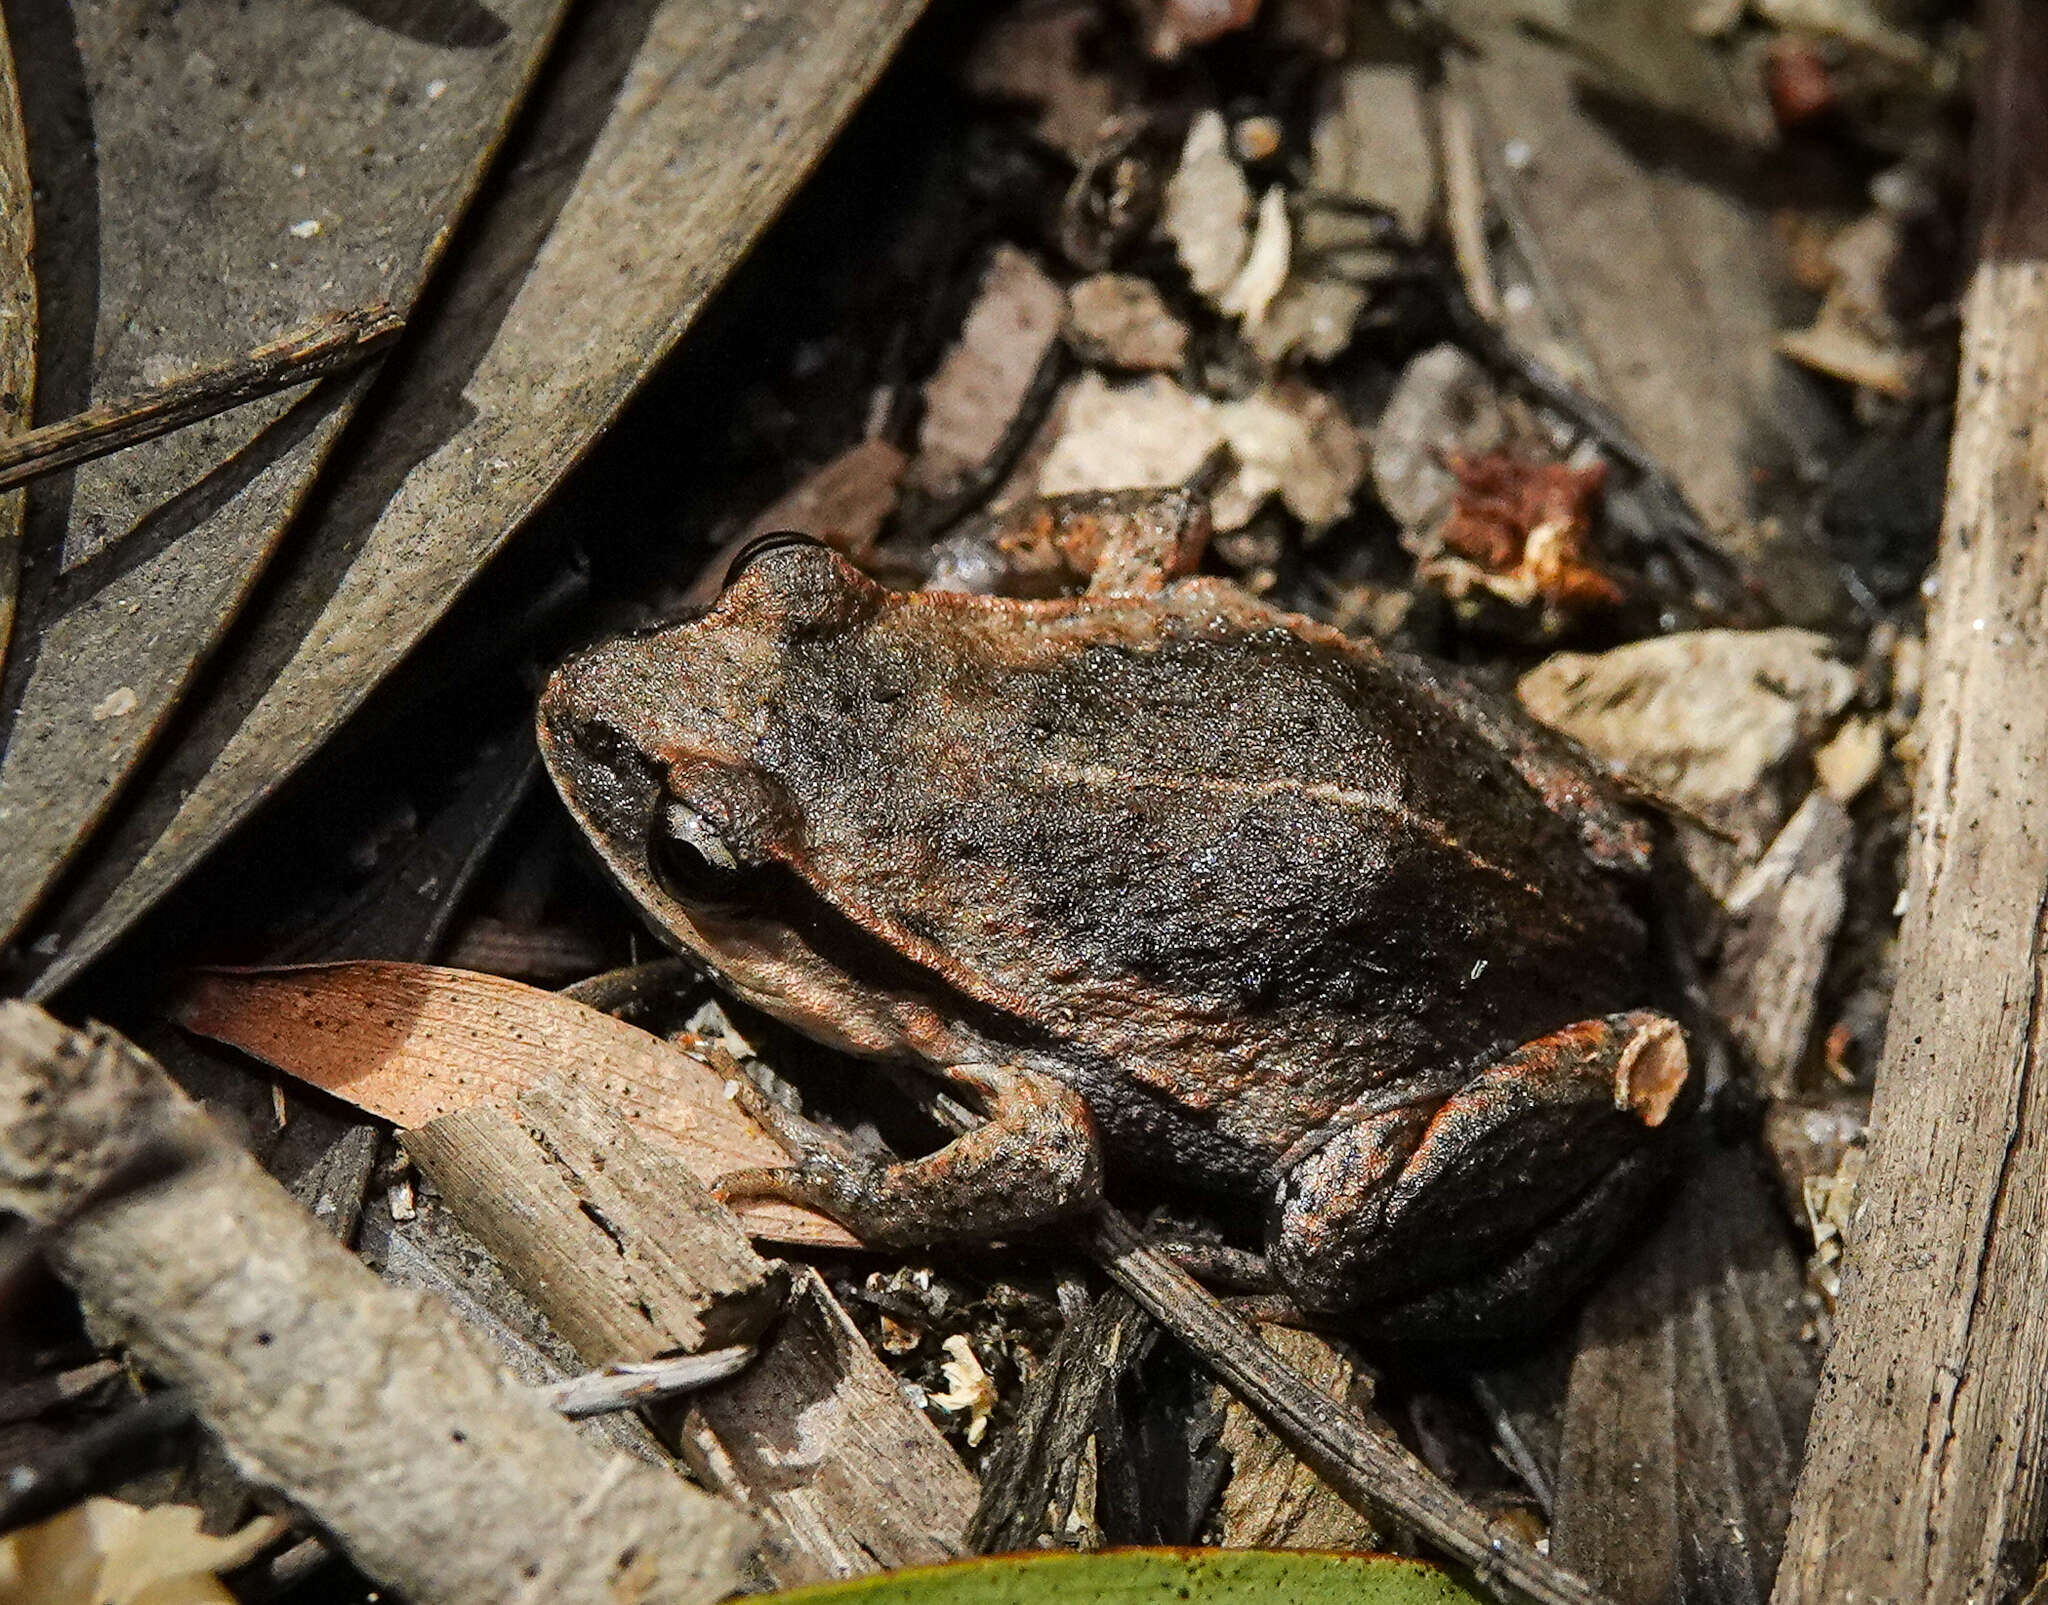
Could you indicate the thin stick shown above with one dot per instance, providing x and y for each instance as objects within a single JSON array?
[
  {"x": 330, "y": 344},
  {"x": 1368, "y": 1470}
]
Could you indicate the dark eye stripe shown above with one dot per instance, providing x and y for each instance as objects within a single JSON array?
[{"x": 761, "y": 545}]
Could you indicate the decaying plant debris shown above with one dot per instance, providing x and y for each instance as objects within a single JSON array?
[{"x": 1606, "y": 352}]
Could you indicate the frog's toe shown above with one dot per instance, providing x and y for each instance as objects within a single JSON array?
[
  {"x": 1034, "y": 1161},
  {"x": 851, "y": 1191}
]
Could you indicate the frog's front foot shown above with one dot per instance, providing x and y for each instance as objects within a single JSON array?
[
  {"x": 1035, "y": 1160},
  {"x": 1492, "y": 1207}
]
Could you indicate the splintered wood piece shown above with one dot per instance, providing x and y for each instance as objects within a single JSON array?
[
  {"x": 669, "y": 136},
  {"x": 817, "y": 1437},
  {"x": 409, "y": 1042},
  {"x": 1040, "y": 1479},
  {"x": 1272, "y": 1500},
  {"x": 614, "y": 1240},
  {"x": 367, "y": 1407},
  {"x": 1783, "y": 916},
  {"x": 1927, "y": 1471}
]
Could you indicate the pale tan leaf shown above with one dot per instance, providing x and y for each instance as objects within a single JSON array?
[
  {"x": 408, "y": 1042},
  {"x": 108, "y": 1552}
]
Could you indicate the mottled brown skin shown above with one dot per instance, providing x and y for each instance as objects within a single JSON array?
[{"x": 1171, "y": 883}]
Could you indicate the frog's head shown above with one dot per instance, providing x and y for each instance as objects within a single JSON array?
[{"x": 655, "y": 742}]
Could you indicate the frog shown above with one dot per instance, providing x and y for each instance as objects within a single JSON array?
[{"x": 1181, "y": 890}]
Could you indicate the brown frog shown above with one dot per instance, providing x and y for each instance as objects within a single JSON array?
[{"x": 1176, "y": 886}]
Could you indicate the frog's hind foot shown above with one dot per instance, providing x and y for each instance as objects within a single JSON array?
[
  {"x": 1035, "y": 1160},
  {"x": 1495, "y": 1205}
]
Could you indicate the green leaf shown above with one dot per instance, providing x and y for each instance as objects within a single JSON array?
[{"x": 1151, "y": 1577}]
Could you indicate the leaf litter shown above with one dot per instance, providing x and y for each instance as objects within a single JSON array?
[{"x": 1239, "y": 248}]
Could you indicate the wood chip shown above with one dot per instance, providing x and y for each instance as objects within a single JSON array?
[
  {"x": 1720, "y": 721},
  {"x": 981, "y": 386},
  {"x": 1151, "y": 431},
  {"x": 1272, "y": 1500},
  {"x": 1121, "y": 320},
  {"x": 409, "y": 1042},
  {"x": 818, "y": 1438},
  {"x": 1293, "y": 441},
  {"x": 1289, "y": 439},
  {"x": 1783, "y": 916},
  {"x": 370, "y": 1409},
  {"x": 1208, "y": 205},
  {"x": 606, "y": 1231}
]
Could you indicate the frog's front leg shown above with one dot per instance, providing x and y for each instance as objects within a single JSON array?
[
  {"x": 1489, "y": 1207},
  {"x": 1033, "y": 1161}
]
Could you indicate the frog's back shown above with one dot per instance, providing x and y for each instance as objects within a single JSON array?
[{"x": 1255, "y": 868}]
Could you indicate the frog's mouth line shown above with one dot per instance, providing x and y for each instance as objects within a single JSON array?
[{"x": 787, "y": 952}]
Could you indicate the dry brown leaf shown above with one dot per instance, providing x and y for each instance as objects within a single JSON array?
[{"x": 407, "y": 1042}]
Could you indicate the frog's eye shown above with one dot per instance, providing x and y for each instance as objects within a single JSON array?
[
  {"x": 761, "y": 546},
  {"x": 693, "y": 860}
]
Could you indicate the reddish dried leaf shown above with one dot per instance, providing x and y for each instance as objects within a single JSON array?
[
  {"x": 1532, "y": 523},
  {"x": 407, "y": 1042}
]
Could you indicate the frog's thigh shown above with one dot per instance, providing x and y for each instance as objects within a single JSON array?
[
  {"x": 1423, "y": 1195},
  {"x": 1034, "y": 1160}
]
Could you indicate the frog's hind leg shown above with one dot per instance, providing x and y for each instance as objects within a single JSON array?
[
  {"x": 1492, "y": 1206},
  {"x": 1033, "y": 1161}
]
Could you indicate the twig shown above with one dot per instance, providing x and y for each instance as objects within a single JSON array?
[
  {"x": 1927, "y": 1466},
  {"x": 330, "y": 344},
  {"x": 625, "y": 1387},
  {"x": 24, "y": 1401},
  {"x": 1370, "y": 1471}
]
